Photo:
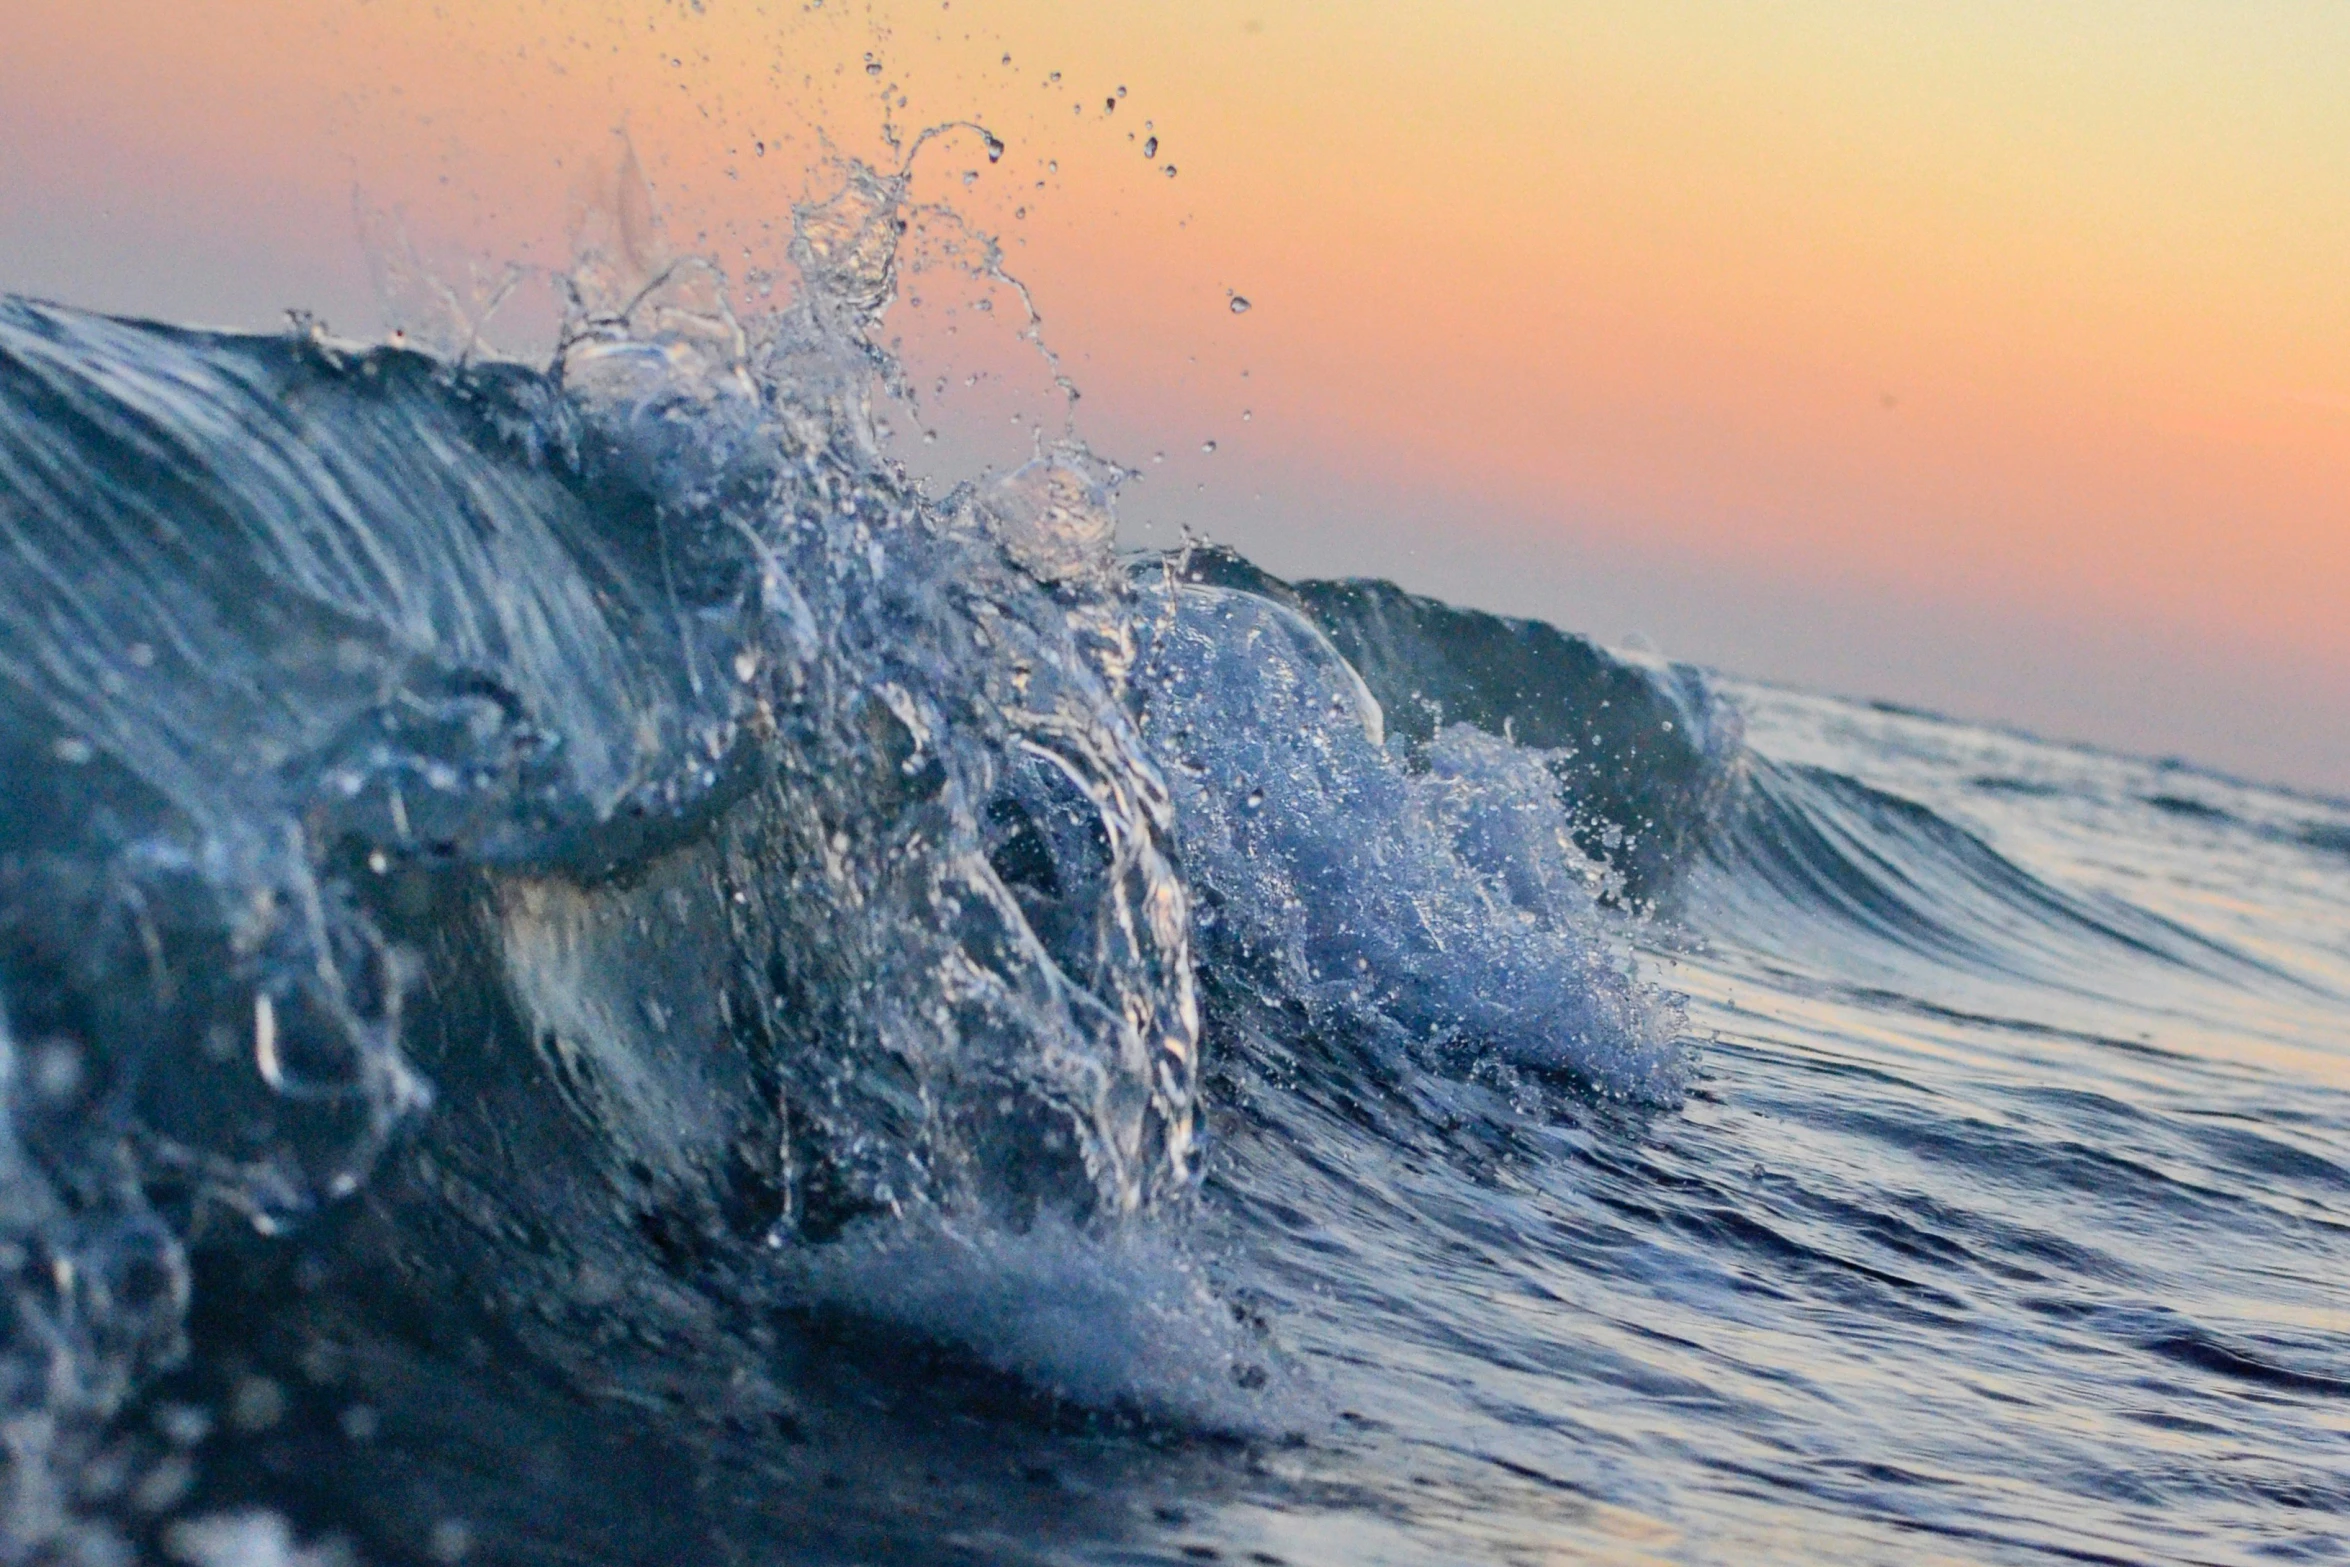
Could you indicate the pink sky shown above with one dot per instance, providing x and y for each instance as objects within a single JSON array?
[{"x": 1962, "y": 354}]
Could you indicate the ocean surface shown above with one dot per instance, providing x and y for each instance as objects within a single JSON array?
[{"x": 593, "y": 974}]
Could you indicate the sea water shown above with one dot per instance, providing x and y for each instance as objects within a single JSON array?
[{"x": 592, "y": 972}]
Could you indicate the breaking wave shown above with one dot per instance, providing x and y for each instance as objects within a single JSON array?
[{"x": 615, "y": 830}]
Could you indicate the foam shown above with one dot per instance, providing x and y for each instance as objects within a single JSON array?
[{"x": 1124, "y": 1320}]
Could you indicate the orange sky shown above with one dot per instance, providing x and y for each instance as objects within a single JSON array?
[{"x": 1985, "y": 355}]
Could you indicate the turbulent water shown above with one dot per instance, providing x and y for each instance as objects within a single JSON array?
[{"x": 593, "y": 974}]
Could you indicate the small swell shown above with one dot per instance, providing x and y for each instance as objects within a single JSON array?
[{"x": 1831, "y": 849}]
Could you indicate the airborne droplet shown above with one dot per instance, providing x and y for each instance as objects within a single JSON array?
[
  {"x": 1209, "y": 447},
  {"x": 872, "y": 66},
  {"x": 1150, "y": 149},
  {"x": 1170, "y": 171},
  {"x": 1240, "y": 304}
]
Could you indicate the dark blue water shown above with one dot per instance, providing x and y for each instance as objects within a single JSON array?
[{"x": 592, "y": 973}]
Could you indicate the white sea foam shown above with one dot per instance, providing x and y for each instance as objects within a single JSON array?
[{"x": 1125, "y": 1320}]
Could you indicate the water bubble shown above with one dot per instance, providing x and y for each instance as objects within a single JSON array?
[
  {"x": 257, "y": 1404},
  {"x": 57, "y": 1070},
  {"x": 1170, "y": 171},
  {"x": 1246, "y": 415},
  {"x": 872, "y": 66},
  {"x": 1121, "y": 91},
  {"x": 1109, "y": 106},
  {"x": 759, "y": 148},
  {"x": 970, "y": 177},
  {"x": 1053, "y": 167},
  {"x": 995, "y": 147},
  {"x": 452, "y": 1539},
  {"x": 183, "y": 1425},
  {"x": 1056, "y": 76},
  {"x": 1150, "y": 149},
  {"x": 1208, "y": 447},
  {"x": 1240, "y": 304}
]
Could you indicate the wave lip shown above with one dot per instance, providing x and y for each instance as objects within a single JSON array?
[
  {"x": 1643, "y": 752},
  {"x": 1443, "y": 910}
]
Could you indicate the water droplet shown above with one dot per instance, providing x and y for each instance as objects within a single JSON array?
[
  {"x": 1246, "y": 415},
  {"x": 1158, "y": 457},
  {"x": 1053, "y": 167},
  {"x": 970, "y": 177},
  {"x": 1240, "y": 304},
  {"x": 1150, "y": 149},
  {"x": 1121, "y": 91},
  {"x": 995, "y": 147},
  {"x": 1170, "y": 171},
  {"x": 759, "y": 148},
  {"x": 872, "y": 66},
  {"x": 1109, "y": 106},
  {"x": 1256, "y": 799},
  {"x": 1056, "y": 76},
  {"x": 1209, "y": 447}
]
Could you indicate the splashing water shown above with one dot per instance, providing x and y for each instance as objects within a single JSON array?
[{"x": 608, "y": 858}]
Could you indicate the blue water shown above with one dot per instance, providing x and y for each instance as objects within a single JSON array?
[
  {"x": 2004, "y": 1220},
  {"x": 594, "y": 973}
]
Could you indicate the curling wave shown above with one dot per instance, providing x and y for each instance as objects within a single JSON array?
[{"x": 611, "y": 829}]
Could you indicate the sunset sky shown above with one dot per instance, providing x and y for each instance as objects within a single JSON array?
[{"x": 1989, "y": 357}]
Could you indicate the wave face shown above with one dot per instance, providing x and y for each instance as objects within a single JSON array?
[{"x": 592, "y": 973}]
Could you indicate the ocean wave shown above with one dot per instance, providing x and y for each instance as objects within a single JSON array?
[
  {"x": 591, "y": 971},
  {"x": 600, "y": 853},
  {"x": 1804, "y": 859},
  {"x": 1643, "y": 751}
]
